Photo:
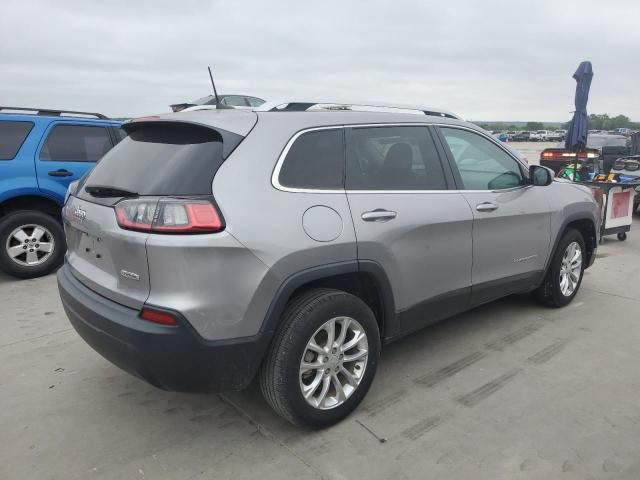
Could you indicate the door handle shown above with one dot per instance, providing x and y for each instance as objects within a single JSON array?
[
  {"x": 378, "y": 215},
  {"x": 486, "y": 207},
  {"x": 60, "y": 173}
]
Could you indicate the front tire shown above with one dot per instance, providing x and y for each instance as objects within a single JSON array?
[
  {"x": 564, "y": 277},
  {"x": 323, "y": 358},
  {"x": 32, "y": 244}
]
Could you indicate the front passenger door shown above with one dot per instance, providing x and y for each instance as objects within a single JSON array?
[{"x": 511, "y": 218}]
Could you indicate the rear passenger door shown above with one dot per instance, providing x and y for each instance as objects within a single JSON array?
[
  {"x": 67, "y": 151},
  {"x": 408, "y": 221},
  {"x": 511, "y": 231}
]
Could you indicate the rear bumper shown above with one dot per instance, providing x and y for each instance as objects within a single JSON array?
[{"x": 169, "y": 357}]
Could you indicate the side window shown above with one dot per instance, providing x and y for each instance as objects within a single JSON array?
[
  {"x": 315, "y": 161},
  {"x": 12, "y": 136},
  {"x": 393, "y": 158},
  {"x": 234, "y": 101},
  {"x": 481, "y": 163},
  {"x": 76, "y": 143}
]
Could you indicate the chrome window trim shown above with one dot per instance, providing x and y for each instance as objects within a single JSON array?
[
  {"x": 275, "y": 181},
  {"x": 275, "y": 176}
]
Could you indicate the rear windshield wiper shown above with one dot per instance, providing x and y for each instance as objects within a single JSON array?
[{"x": 104, "y": 191}]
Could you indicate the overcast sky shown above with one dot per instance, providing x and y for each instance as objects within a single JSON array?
[{"x": 485, "y": 60}]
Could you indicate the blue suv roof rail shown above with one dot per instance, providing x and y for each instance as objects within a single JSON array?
[
  {"x": 341, "y": 106},
  {"x": 50, "y": 112}
]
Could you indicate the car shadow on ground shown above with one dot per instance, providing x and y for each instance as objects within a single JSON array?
[{"x": 401, "y": 362}]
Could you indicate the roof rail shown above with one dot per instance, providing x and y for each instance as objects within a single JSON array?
[
  {"x": 339, "y": 106},
  {"x": 52, "y": 112}
]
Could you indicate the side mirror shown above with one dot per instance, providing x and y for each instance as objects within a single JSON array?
[{"x": 540, "y": 176}]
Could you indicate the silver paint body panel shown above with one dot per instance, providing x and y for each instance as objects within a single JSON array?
[{"x": 224, "y": 283}]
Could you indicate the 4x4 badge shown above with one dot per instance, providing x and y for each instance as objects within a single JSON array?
[{"x": 130, "y": 275}]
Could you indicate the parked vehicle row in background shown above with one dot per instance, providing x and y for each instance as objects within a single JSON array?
[
  {"x": 603, "y": 147},
  {"x": 41, "y": 152}
]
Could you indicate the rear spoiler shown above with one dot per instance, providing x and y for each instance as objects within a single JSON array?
[{"x": 229, "y": 140}]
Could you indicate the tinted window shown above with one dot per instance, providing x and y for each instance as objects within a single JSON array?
[
  {"x": 162, "y": 160},
  {"x": 119, "y": 133},
  {"x": 594, "y": 141},
  {"x": 12, "y": 136},
  {"x": 393, "y": 158},
  {"x": 481, "y": 163},
  {"x": 255, "y": 102},
  {"x": 76, "y": 143},
  {"x": 315, "y": 160}
]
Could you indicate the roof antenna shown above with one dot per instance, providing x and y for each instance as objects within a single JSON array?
[{"x": 213, "y": 84}]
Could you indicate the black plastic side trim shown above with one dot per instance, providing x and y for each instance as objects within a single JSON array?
[
  {"x": 391, "y": 325},
  {"x": 489, "y": 291},
  {"x": 297, "y": 280},
  {"x": 434, "y": 309},
  {"x": 561, "y": 230}
]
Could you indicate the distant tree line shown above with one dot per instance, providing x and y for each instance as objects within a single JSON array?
[
  {"x": 605, "y": 122},
  {"x": 596, "y": 122}
]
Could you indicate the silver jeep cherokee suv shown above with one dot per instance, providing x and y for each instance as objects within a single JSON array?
[{"x": 211, "y": 247}]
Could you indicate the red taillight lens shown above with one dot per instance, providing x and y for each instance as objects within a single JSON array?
[
  {"x": 156, "y": 316},
  {"x": 169, "y": 215},
  {"x": 566, "y": 155}
]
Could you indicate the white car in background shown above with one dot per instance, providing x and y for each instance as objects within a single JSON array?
[
  {"x": 539, "y": 136},
  {"x": 556, "y": 136}
]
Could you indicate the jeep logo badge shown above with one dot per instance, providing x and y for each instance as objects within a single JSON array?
[{"x": 79, "y": 213}]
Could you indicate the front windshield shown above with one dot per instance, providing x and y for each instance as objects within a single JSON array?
[{"x": 208, "y": 100}]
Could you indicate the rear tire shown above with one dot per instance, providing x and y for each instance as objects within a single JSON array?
[
  {"x": 25, "y": 237},
  {"x": 563, "y": 280},
  {"x": 296, "y": 373}
]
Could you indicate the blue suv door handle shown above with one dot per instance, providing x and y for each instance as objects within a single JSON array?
[{"x": 60, "y": 173}]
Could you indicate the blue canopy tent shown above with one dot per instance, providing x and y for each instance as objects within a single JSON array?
[{"x": 577, "y": 135}]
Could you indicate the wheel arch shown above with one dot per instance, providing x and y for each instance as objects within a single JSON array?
[
  {"x": 30, "y": 202},
  {"x": 365, "y": 279},
  {"x": 587, "y": 228}
]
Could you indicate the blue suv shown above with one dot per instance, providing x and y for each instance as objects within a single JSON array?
[{"x": 41, "y": 153}]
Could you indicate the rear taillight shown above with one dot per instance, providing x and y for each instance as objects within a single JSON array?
[
  {"x": 158, "y": 316},
  {"x": 566, "y": 155},
  {"x": 169, "y": 215}
]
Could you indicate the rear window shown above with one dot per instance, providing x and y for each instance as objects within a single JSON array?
[
  {"x": 598, "y": 142},
  {"x": 76, "y": 143},
  {"x": 163, "y": 159},
  {"x": 315, "y": 161},
  {"x": 12, "y": 136}
]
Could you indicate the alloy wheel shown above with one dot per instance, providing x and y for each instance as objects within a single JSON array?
[
  {"x": 570, "y": 269},
  {"x": 333, "y": 363},
  {"x": 30, "y": 245}
]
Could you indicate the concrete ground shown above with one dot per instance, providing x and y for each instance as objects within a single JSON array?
[{"x": 511, "y": 390}]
